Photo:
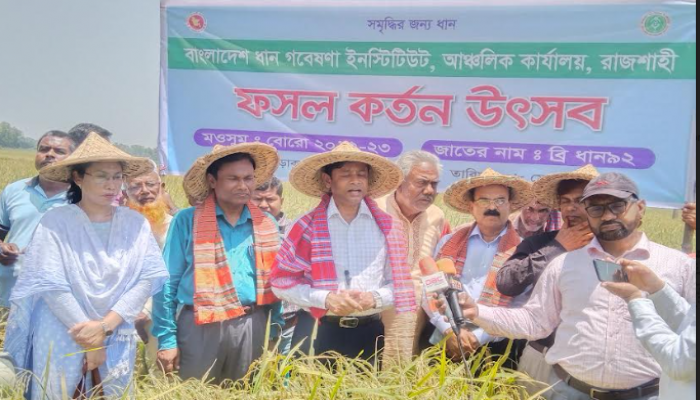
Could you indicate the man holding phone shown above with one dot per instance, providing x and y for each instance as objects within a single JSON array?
[
  {"x": 518, "y": 276},
  {"x": 595, "y": 354}
]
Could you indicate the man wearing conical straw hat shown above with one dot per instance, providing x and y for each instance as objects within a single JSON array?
[
  {"x": 86, "y": 275},
  {"x": 346, "y": 261},
  {"x": 482, "y": 248},
  {"x": 219, "y": 255},
  {"x": 564, "y": 192}
]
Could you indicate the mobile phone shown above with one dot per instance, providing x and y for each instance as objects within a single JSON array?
[{"x": 610, "y": 272}]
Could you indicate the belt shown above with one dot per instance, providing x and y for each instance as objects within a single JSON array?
[
  {"x": 646, "y": 390},
  {"x": 352, "y": 322},
  {"x": 249, "y": 310}
]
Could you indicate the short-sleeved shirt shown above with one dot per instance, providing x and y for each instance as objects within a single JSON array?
[{"x": 22, "y": 205}]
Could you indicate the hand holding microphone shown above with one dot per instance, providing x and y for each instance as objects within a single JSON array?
[{"x": 439, "y": 279}]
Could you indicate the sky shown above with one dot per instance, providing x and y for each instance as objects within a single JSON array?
[{"x": 68, "y": 61}]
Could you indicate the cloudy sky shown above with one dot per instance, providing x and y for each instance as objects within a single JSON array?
[{"x": 69, "y": 61}]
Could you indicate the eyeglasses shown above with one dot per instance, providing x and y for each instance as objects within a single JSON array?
[
  {"x": 618, "y": 208},
  {"x": 138, "y": 187},
  {"x": 485, "y": 203},
  {"x": 102, "y": 180}
]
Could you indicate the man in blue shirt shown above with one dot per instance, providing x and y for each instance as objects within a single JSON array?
[
  {"x": 481, "y": 249},
  {"x": 212, "y": 315},
  {"x": 23, "y": 203}
]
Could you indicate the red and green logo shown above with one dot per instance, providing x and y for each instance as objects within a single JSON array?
[{"x": 197, "y": 22}]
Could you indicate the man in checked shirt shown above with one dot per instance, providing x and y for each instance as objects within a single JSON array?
[{"x": 595, "y": 354}]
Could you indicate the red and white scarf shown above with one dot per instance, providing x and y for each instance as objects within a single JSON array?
[{"x": 306, "y": 256}]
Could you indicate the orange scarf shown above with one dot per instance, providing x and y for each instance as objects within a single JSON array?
[{"x": 215, "y": 297}]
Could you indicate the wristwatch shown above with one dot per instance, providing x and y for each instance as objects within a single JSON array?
[
  {"x": 378, "y": 302},
  {"x": 105, "y": 328}
]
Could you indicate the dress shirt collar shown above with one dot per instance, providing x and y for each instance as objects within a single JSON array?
[{"x": 641, "y": 251}]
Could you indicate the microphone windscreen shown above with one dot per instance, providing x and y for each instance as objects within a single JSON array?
[{"x": 447, "y": 266}]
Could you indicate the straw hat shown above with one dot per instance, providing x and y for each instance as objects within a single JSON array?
[
  {"x": 96, "y": 149},
  {"x": 385, "y": 176},
  {"x": 266, "y": 162},
  {"x": 457, "y": 195},
  {"x": 546, "y": 189}
]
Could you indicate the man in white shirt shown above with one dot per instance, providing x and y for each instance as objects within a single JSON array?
[
  {"x": 347, "y": 261},
  {"x": 666, "y": 324},
  {"x": 596, "y": 354}
]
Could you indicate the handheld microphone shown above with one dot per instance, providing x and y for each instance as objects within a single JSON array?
[
  {"x": 437, "y": 281},
  {"x": 448, "y": 268},
  {"x": 440, "y": 278}
]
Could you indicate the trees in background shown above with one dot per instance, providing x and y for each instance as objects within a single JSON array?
[{"x": 13, "y": 138}]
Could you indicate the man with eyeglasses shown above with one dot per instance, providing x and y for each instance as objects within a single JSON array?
[
  {"x": 595, "y": 354},
  {"x": 480, "y": 250},
  {"x": 145, "y": 195},
  {"x": 23, "y": 203},
  {"x": 518, "y": 276}
]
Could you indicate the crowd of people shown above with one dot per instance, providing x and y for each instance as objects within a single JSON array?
[{"x": 95, "y": 257}]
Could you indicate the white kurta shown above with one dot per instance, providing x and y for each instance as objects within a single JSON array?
[{"x": 66, "y": 256}]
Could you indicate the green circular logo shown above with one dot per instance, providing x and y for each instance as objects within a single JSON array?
[{"x": 656, "y": 23}]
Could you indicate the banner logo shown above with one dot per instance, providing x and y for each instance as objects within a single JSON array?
[
  {"x": 656, "y": 23},
  {"x": 197, "y": 22}
]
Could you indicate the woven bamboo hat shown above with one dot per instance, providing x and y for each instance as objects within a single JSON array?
[
  {"x": 385, "y": 176},
  {"x": 266, "y": 158},
  {"x": 546, "y": 189},
  {"x": 96, "y": 149},
  {"x": 457, "y": 195}
]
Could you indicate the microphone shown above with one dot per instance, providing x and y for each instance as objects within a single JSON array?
[
  {"x": 437, "y": 281},
  {"x": 448, "y": 268},
  {"x": 439, "y": 277}
]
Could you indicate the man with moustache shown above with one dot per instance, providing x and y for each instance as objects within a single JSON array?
[
  {"x": 595, "y": 354},
  {"x": 211, "y": 317},
  {"x": 23, "y": 203},
  {"x": 412, "y": 205},
  {"x": 145, "y": 194},
  {"x": 558, "y": 191},
  {"x": 345, "y": 262},
  {"x": 480, "y": 250}
]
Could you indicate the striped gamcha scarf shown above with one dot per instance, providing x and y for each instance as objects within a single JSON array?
[
  {"x": 215, "y": 297},
  {"x": 306, "y": 257},
  {"x": 456, "y": 249}
]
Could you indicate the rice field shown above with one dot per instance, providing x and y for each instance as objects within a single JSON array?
[{"x": 274, "y": 377}]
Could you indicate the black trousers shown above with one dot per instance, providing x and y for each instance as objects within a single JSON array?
[{"x": 367, "y": 340}]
